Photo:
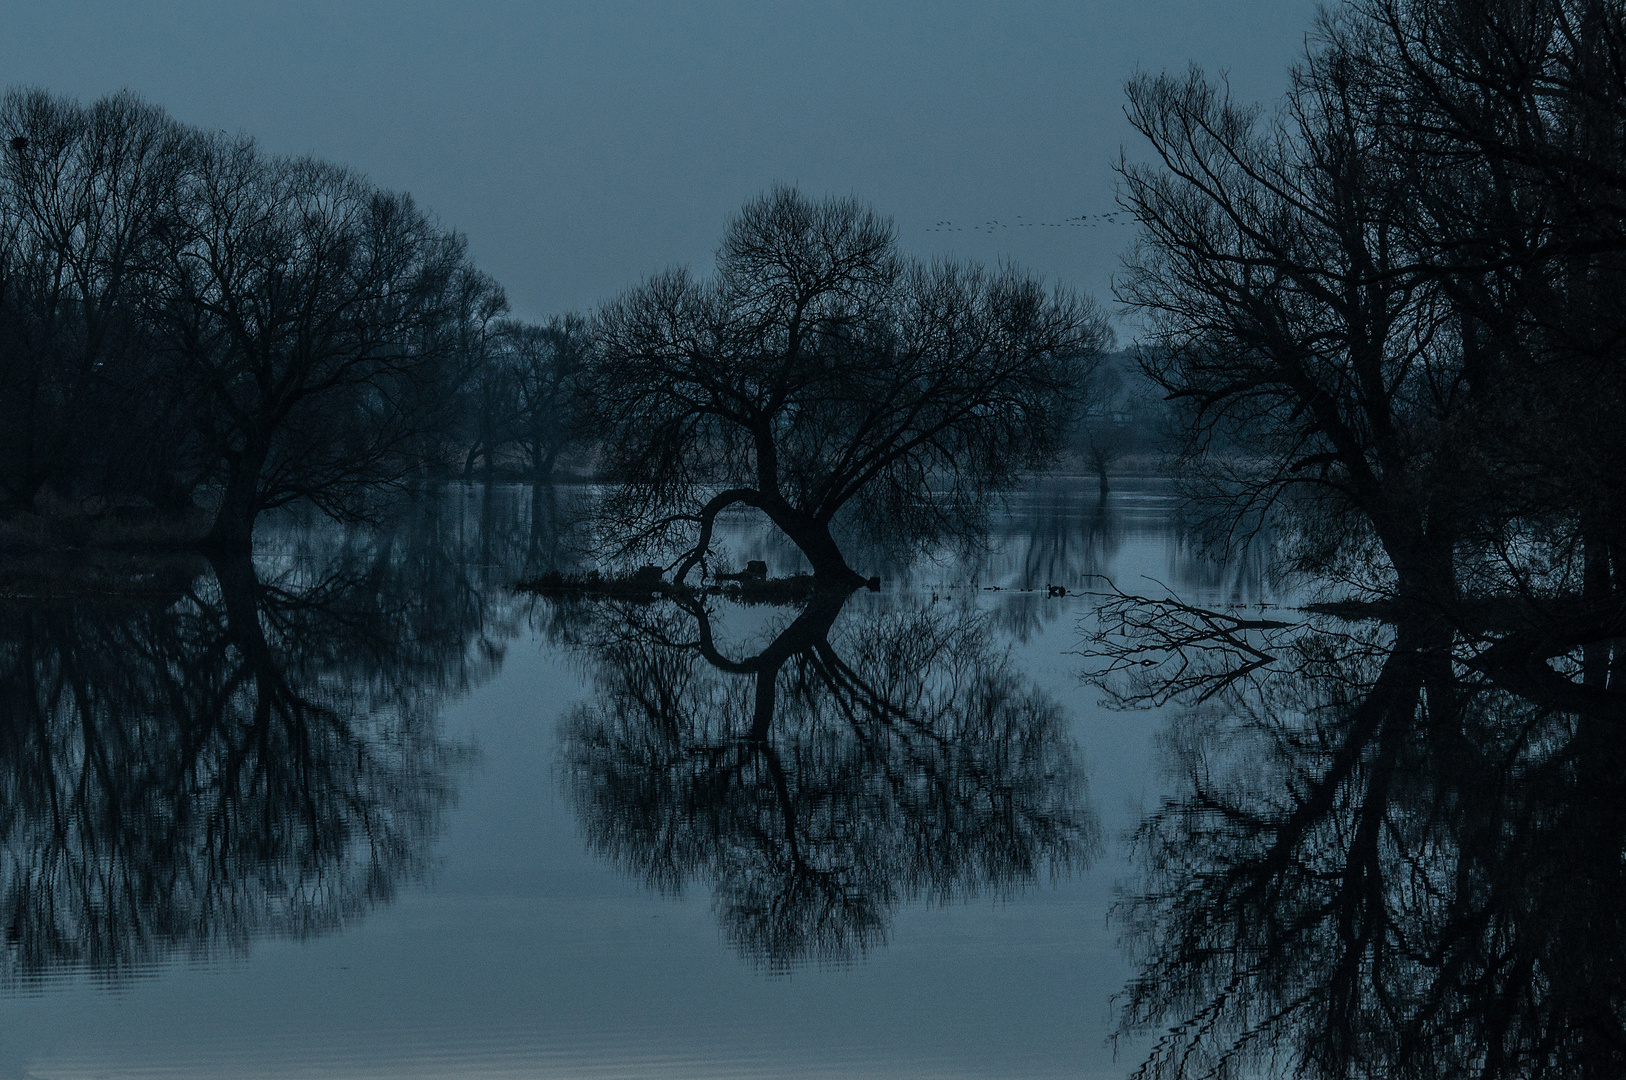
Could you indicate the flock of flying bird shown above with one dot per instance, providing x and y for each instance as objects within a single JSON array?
[{"x": 1079, "y": 222}]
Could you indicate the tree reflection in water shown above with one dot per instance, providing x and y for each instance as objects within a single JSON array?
[
  {"x": 1389, "y": 855},
  {"x": 256, "y": 753},
  {"x": 848, "y": 766}
]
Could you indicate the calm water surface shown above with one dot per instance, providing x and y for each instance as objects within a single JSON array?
[{"x": 357, "y": 809}]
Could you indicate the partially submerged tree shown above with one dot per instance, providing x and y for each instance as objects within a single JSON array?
[
  {"x": 1400, "y": 298},
  {"x": 1520, "y": 108},
  {"x": 1291, "y": 318},
  {"x": 467, "y": 348},
  {"x": 302, "y": 306},
  {"x": 181, "y": 313},
  {"x": 1126, "y": 416},
  {"x": 83, "y": 190},
  {"x": 813, "y": 786},
  {"x": 821, "y": 373}
]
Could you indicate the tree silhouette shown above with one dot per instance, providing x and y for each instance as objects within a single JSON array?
[
  {"x": 819, "y": 782},
  {"x": 820, "y": 373},
  {"x": 84, "y": 193},
  {"x": 301, "y": 305},
  {"x": 1380, "y": 861},
  {"x": 247, "y": 755},
  {"x": 1293, "y": 321}
]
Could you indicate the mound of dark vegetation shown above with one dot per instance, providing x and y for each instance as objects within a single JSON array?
[{"x": 646, "y": 583}]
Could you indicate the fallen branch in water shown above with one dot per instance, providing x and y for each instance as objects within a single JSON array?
[{"x": 1172, "y": 649}]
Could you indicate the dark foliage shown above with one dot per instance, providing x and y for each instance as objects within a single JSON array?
[
  {"x": 182, "y": 315},
  {"x": 815, "y": 783},
  {"x": 224, "y": 753},
  {"x": 820, "y": 373}
]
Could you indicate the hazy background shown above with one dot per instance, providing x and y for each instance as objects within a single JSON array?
[{"x": 583, "y": 146}]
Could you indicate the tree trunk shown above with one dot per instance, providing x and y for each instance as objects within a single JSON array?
[
  {"x": 1425, "y": 578},
  {"x": 1597, "y": 591},
  {"x": 808, "y": 533},
  {"x": 233, "y": 528},
  {"x": 762, "y": 712},
  {"x": 240, "y": 589},
  {"x": 812, "y": 536},
  {"x": 543, "y": 551},
  {"x": 544, "y": 468},
  {"x": 1424, "y": 564}
]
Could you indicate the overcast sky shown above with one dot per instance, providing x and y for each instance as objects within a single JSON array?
[{"x": 583, "y": 146}]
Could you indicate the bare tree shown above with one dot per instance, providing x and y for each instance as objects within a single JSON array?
[
  {"x": 84, "y": 191},
  {"x": 301, "y": 306},
  {"x": 815, "y": 785},
  {"x": 466, "y": 348},
  {"x": 1292, "y": 320},
  {"x": 1520, "y": 206},
  {"x": 548, "y": 366},
  {"x": 820, "y": 373}
]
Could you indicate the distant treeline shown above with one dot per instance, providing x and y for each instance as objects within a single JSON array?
[
  {"x": 1126, "y": 424},
  {"x": 182, "y": 313}
]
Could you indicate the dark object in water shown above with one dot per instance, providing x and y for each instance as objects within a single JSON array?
[
  {"x": 874, "y": 583},
  {"x": 646, "y": 583},
  {"x": 755, "y": 570},
  {"x": 1057, "y": 590}
]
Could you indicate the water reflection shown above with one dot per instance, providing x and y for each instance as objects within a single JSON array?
[
  {"x": 1056, "y": 531},
  {"x": 1388, "y": 855},
  {"x": 240, "y": 749},
  {"x": 816, "y": 779},
  {"x": 555, "y": 513}
]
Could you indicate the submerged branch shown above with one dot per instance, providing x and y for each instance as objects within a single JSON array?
[{"x": 1174, "y": 649}]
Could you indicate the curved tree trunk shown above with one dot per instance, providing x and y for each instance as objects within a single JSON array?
[
  {"x": 233, "y": 528},
  {"x": 812, "y": 536},
  {"x": 1425, "y": 573}
]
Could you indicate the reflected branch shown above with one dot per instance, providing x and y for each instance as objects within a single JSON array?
[
  {"x": 257, "y": 753},
  {"x": 843, "y": 768},
  {"x": 1382, "y": 861},
  {"x": 1147, "y": 651}
]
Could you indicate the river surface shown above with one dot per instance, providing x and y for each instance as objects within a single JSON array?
[{"x": 358, "y": 809}]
